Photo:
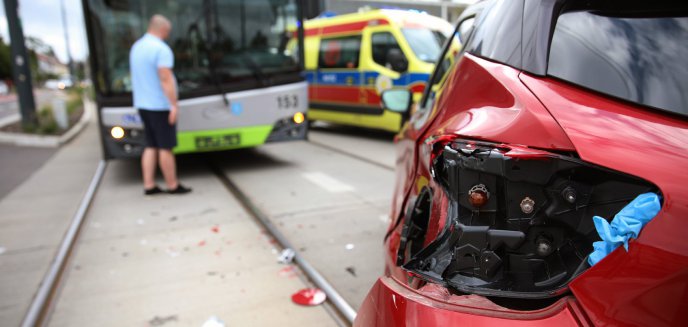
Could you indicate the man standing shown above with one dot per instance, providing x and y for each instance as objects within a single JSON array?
[{"x": 155, "y": 96}]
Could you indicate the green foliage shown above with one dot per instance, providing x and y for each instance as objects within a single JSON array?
[
  {"x": 73, "y": 104},
  {"x": 46, "y": 122}
]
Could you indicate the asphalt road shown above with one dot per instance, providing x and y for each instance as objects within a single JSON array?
[{"x": 19, "y": 163}]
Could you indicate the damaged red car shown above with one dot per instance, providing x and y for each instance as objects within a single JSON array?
[{"x": 527, "y": 154}]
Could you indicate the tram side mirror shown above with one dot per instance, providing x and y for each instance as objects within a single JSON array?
[
  {"x": 397, "y": 100},
  {"x": 397, "y": 60}
]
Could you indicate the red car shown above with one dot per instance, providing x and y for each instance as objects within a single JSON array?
[{"x": 554, "y": 112}]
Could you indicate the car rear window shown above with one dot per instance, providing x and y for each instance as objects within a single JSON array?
[{"x": 640, "y": 59}]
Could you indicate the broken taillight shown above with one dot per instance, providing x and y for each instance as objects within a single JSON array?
[{"x": 519, "y": 219}]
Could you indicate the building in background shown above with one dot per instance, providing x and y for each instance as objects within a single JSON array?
[{"x": 50, "y": 66}]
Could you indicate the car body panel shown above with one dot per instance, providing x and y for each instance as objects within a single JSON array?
[
  {"x": 482, "y": 99},
  {"x": 402, "y": 306},
  {"x": 648, "y": 285}
]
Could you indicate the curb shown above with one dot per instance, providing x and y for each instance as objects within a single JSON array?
[{"x": 43, "y": 141}]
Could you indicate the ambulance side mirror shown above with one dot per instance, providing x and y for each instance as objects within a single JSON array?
[
  {"x": 397, "y": 60},
  {"x": 397, "y": 100}
]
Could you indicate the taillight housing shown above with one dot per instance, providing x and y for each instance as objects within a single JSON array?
[{"x": 519, "y": 220}]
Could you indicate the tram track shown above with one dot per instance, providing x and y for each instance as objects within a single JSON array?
[
  {"x": 351, "y": 155},
  {"x": 342, "y": 309},
  {"x": 44, "y": 301}
]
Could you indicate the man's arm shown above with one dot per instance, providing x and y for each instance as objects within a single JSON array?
[{"x": 169, "y": 87}]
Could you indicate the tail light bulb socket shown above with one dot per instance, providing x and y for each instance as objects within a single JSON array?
[
  {"x": 569, "y": 194},
  {"x": 527, "y": 205},
  {"x": 478, "y": 195}
]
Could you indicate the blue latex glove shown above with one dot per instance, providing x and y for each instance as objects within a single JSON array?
[{"x": 625, "y": 225}]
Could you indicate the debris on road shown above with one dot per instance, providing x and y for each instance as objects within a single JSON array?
[
  {"x": 213, "y": 322},
  {"x": 349, "y": 246},
  {"x": 287, "y": 256},
  {"x": 159, "y": 321},
  {"x": 201, "y": 243},
  {"x": 172, "y": 252},
  {"x": 287, "y": 272},
  {"x": 215, "y": 229},
  {"x": 309, "y": 297},
  {"x": 351, "y": 270}
]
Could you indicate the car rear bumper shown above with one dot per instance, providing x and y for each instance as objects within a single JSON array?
[{"x": 390, "y": 303}]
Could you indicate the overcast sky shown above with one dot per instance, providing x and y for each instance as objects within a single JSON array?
[{"x": 42, "y": 19}]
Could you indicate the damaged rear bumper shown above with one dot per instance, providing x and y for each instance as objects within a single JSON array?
[{"x": 390, "y": 303}]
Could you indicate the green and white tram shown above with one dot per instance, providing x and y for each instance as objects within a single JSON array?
[{"x": 239, "y": 78}]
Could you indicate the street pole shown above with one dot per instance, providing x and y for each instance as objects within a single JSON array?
[
  {"x": 70, "y": 63},
  {"x": 21, "y": 70}
]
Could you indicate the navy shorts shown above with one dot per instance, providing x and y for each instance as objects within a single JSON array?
[{"x": 159, "y": 133}]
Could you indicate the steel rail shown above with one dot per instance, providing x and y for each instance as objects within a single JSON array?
[
  {"x": 37, "y": 310},
  {"x": 352, "y": 155},
  {"x": 332, "y": 295}
]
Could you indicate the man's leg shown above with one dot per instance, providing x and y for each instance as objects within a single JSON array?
[
  {"x": 169, "y": 168},
  {"x": 149, "y": 160}
]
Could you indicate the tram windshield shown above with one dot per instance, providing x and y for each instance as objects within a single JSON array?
[{"x": 238, "y": 44}]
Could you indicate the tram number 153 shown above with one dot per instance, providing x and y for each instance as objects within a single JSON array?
[{"x": 287, "y": 101}]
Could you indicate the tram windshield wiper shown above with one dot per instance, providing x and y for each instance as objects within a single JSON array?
[{"x": 256, "y": 69}]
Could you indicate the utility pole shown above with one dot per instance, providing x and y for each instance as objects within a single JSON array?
[
  {"x": 21, "y": 70},
  {"x": 70, "y": 63}
]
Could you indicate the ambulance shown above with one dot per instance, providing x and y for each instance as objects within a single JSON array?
[{"x": 350, "y": 59}]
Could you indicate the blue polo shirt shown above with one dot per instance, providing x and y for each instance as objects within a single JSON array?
[{"x": 146, "y": 56}]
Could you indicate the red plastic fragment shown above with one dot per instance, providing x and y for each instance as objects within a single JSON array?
[
  {"x": 287, "y": 272},
  {"x": 309, "y": 297},
  {"x": 215, "y": 229},
  {"x": 201, "y": 243}
]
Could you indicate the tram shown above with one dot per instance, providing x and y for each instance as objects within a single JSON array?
[{"x": 239, "y": 77}]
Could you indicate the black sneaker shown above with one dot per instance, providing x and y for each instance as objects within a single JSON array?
[
  {"x": 151, "y": 191},
  {"x": 180, "y": 190}
]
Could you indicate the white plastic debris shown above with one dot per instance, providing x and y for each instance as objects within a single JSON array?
[
  {"x": 287, "y": 256},
  {"x": 172, "y": 252},
  {"x": 349, "y": 246},
  {"x": 384, "y": 219},
  {"x": 213, "y": 322}
]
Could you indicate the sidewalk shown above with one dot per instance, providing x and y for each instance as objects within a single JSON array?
[{"x": 34, "y": 217}]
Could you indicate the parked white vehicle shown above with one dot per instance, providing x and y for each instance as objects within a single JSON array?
[
  {"x": 4, "y": 88},
  {"x": 59, "y": 84}
]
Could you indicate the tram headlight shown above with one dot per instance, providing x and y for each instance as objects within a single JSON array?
[
  {"x": 299, "y": 118},
  {"x": 117, "y": 132}
]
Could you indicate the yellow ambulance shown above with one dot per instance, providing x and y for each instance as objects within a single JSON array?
[{"x": 352, "y": 58}]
